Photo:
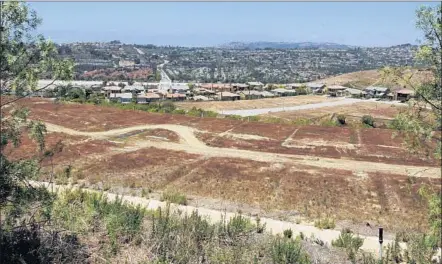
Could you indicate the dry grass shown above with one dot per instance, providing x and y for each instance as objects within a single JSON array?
[
  {"x": 389, "y": 200},
  {"x": 362, "y": 79}
]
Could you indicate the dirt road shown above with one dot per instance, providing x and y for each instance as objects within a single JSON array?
[
  {"x": 190, "y": 144},
  {"x": 273, "y": 226}
]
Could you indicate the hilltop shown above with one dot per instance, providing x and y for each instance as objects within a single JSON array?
[{"x": 362, "y": 79}]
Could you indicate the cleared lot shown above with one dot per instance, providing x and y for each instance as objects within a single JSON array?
[
  {"x": 258, "y": 103},
  {"x": 357, "y": 109}
]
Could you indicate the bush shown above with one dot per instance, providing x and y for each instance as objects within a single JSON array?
[
  {"x": 33, "y": 245},
  {"x": 252, "y": 118},
  {"x": 287, "y": 251},
  {"x": 367, "y": 120},
  {"x": 179, "y": 112},
  {"x": 83, "y": 212},
  {"x": 288, "y": 233},
  {"x": 341, "y": 119},
  {"x": 349, "y": 242},
  {"x": 174, "y": 197},
  {"x": 234, "y": 117},
  {"x": 301, "y": 121},
  {"x": 325, "y": 223}
]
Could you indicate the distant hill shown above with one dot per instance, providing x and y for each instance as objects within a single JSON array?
[
  {"x": 284, "y": 45},
  {"x": 363, "y": 79}
]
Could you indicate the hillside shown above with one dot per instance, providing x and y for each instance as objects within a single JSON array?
[
  {"x": 362, "y": 79},
  {"x": 284, "y": 45}
]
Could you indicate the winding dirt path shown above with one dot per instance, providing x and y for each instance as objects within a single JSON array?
[{"x": 190, "y": 144}]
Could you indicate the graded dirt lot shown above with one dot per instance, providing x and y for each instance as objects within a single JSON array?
[
  {"x": 375, "y": 109},
  {"x": 312, "y": 170},
  {"x": 259, "y": 103}
]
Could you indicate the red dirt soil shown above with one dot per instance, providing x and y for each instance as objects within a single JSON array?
[
  {"x": 98, "y": 118},
  {"x": 72, "y": 148}
]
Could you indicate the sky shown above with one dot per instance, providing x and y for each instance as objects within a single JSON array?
[{"x": 215, "y": 23}]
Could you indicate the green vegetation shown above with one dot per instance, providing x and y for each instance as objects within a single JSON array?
[
  {"x": 326, "y": 223},
  {"x": 415, "y": 125},
  {"x": 288, "y": 251},
  {"x": 198, "y": 112},
  {"x": 83, "y": 213},
  {"x": 174, "y": 197},
  {"x": 340, "y": 119},
  {"x": 349, "y": 242},
  {"x": 368, "y": 121},
  {"x": 288, "y": 233}
]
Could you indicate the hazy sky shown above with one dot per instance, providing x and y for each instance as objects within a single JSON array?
[{"x": 213, "y": 23}]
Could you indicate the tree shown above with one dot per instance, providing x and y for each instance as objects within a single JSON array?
[
  {"x": 24, "y": 58},
  {"x": 416, "y": 124}
]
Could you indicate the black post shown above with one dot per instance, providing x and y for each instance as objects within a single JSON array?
[{"x": 381, "y": 240}]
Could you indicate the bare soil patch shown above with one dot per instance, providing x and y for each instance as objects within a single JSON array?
[
  {"x": 258, "y": 103},
  {"x": 353, "y": 111}
]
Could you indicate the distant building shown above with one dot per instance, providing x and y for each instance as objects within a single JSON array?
[{"x": 336, "y": 90}]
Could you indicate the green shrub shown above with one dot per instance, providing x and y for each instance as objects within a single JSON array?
[
  {"x": 239, "y": 225},
  {"x": 349, "y": 242},
  {"x": 252, "y": 118},
  {"x": 179, "y": 112},
  {"x": 368, "y": 121},
  {"x": 234, "y": 117},
  {"x": 287, "y": 251},
  {"x": 83, "y": 212},
  {"x": 325, "y": 223},
  {"x": 301, "y": 121},
  {"x": 288, "y": 233},
  {"x": 174, "y": 197},
  {"x": 341, "y": 119},
  {"x": 210, "y": 114}
]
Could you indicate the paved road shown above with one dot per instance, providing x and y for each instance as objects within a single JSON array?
[{"x": 260, "y": 111}]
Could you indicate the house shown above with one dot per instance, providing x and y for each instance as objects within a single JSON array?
[
  {"x": 123, "y": 98},
  {"x": 146, "y": 98},
  {"x": 227, "y": 96},
  {"x": 202, "y": 91},
  {"x": 267, "y": 94},
  {"x": 376, "y": 92},
  {"x": 175, "y": 97},
  {"x": 336, "y": 90},
  {"x": 255, "y": 85},
  {"x": 217, "y": 87},
  {"x": 239, "y": 86},
  {"x": 178, "y": 88},
  {"x": 200, "y": 98},
  {"x": 251, "y": 94},
  {"x": 283, "y": 92},
  {"x": 108, "y": 90},
  {"x": 404, "y": 95},
  {"x": 133, "y": 89},
  {"x": 354, "y": 93},
  {"x": 316, "y": 87},
  {"x": 294, "y": 86}
]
